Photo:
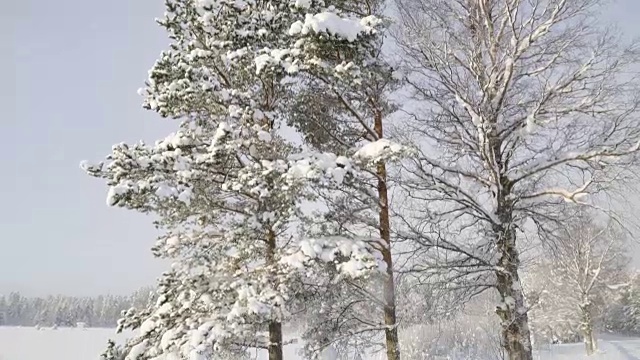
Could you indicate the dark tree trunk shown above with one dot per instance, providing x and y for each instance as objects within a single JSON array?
[
  {"x": 275, "y": 341},
  {"x": 275, "y": 327},
  {"x": 391, "y": 332}
]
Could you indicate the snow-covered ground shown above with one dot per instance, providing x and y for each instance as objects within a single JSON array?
[
  {"x": 27, "y": 343},
  {"x": 610, "y": 348},
  {"x": 86, "y": 344}
]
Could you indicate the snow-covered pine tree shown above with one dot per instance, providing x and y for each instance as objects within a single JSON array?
[
  {"x": 113, "y": 352},
  {"x": 342, "y": 107},
  {"x": 224, "y": 187},
  {"x": 215, "y": 184}
]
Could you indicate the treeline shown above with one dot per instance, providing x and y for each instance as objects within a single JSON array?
[
  {"x": 100, "y": 311},
  {"x": 622, "y": 313}
]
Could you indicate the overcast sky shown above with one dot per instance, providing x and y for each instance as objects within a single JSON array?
[{"x": 69, "y": 71}]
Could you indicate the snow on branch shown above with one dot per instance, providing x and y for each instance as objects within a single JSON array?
[
  {"x": 381, "y": 150},
  {"x": 319, "y": 165},
  {"x": 329, "y": 165},
  {"x": 277, "y": 57},
  {"x": 333, "y": 24},
  {"x": 352, "y": 258},
  {"x": 574, "y": 196},
  {"x": 590, "y": 155}
]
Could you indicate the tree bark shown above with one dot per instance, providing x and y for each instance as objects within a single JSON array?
[
  {"x": 590, "y": 341},
  {"x": 275, "y": 327},
  {"x": 391, "y": 331},
  {"x": 513, "y": 313},
  {"x": 516, "y": 337},
  {"x": 275, "y": 341}
]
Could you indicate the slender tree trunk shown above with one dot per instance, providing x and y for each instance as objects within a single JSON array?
[
  {"x": 589, "y": 341},
  {"x": 275, "y": 341},
  {"x": 588, "y": 334},
  {"x": 275, "y": 327},
  {"x": 391, "y": 332},
  {"x": 516, "y": 336}
]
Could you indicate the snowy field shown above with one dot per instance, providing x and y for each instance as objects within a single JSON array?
[
  {"x": 87, "y": 344},
  {"x": 27, "y": 343},
  {"x": 611, "y": 348}
]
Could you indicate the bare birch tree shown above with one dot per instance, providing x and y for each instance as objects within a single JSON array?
[
  {"x": 520, "y": 106},
  {"x": 586, "y": 265}
]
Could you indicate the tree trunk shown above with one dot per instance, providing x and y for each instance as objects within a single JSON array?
[
  {"x": 513, "y": 313},
  {"x": 588, "y": 334},
  {"x": 516, "y": 336},
  {"x": 391, "y": 332},
  {"x": 275, "y": 341},
  {"x": 275, "y": 327},
  {"x": 589, "y": 342}
]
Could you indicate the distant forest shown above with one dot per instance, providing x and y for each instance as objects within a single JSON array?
[{"x": 99, "y": 311}]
